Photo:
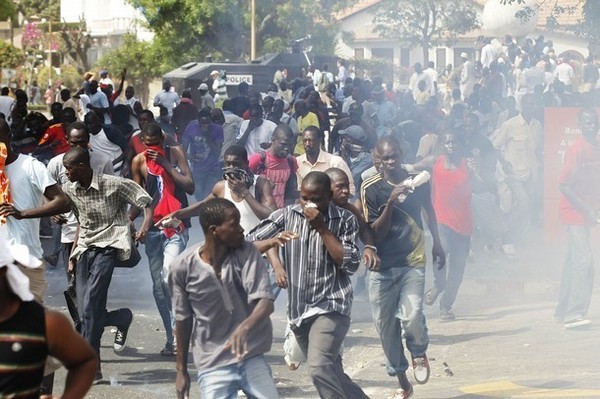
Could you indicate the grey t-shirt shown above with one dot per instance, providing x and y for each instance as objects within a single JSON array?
[{"x": 218, "y": 307}]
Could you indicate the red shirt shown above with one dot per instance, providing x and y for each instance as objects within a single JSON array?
[
  {"x": 581, "y": 172},
  {"x": 276, "y": 170},
  {"x": 451, "y": 196},
  {"x": 56, "y": 134}
]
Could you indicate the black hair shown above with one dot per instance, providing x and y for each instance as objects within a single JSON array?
[
  {"x": 77, "y": 155},
  {"x": 237, "y": 151},
  {"x": 320, "y": 179},
  {"x": 152, "y": 130},
  {"x": 283, "y": 130},
  {"x": 336, "y": 172},
  {"x": 78, "y": 126},
  {"x": 212, "y": 212}
]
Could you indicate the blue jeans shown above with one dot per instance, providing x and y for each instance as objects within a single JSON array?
[
  {"x": 396, "y": 296},
  {"x": 449, "y": 279},
  {"x": 204, "y": 183},
  {"x": 577, "y": 281},
  {"x": 161, "y": 251},
  {"x": 94, "y": 273},
  {"x": 253, "y": 376}
]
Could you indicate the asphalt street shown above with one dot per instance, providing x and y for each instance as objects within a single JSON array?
[{"x": 504, "y": 342}]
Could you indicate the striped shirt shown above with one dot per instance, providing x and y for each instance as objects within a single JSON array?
[
  {"x": 316, "y": 284},
  {"x": 101, "y": 210}
]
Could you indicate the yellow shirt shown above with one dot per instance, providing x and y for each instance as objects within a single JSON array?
[{"x": 310, "y": 119}]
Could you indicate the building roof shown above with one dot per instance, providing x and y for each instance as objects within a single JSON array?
[{"x": 544, "y": 11}]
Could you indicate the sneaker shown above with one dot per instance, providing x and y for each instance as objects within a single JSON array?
[
  {"x": 577, "y": 323},
  {"x": 447, "y": 315},
  {"x": 421, "y": 369},
  {"x": 509, "y": 250},
  {"x": 121, "y": 334},
  {"x": 431, "y": 296}
]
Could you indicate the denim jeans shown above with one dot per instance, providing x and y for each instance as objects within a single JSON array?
[
  {"x": 449, "y": 278},
  {"x": 94, "y": 273},
  {"x": 577, "y": 281},
  {"x": 204, "y": 183},
  {"x": 396, "y": 296},
  {"x": 161, "y": 251},
  {"x": 320, "y": 339},
  {"x": 252, "y": 376}
]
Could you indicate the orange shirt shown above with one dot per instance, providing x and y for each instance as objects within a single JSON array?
[{"x": 55, "y": 134}]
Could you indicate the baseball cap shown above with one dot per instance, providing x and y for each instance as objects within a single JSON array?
[
  {"x": 203, "y": 86},
  {"x": 356, "y": 132},
  {"x": 464, "y": 55},
  {"x": 215, "y": 72}
]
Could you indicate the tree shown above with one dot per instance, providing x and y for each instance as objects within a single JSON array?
[
  {"x": 74, "y": 44},
  {"x": 425, "y": 23},
  {"x": 7, "y": 9},
  {"x": 10, "y": 56},
  {"x": 140, "y": 59},
  {"x": 186, "y": 30},
  {"x": 49, "y": 9}
]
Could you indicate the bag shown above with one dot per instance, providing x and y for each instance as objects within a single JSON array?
[{"x": 135, "y": 256}]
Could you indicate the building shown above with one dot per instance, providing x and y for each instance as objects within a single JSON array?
[
  {"x": 368, "y": 44},
  {"x": 107, "y": 22}
]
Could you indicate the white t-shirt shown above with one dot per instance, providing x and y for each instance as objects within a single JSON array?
[
  {"x": 258, "y": 135},
  {"x": 100, "y": 143},
  {"x": 28, "y": 179}
]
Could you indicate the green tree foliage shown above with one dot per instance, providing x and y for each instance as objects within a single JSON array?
[
  {"x": 189, "y": 30},
  {"x": 140, "y": 59},
  {"x": 424, "y": 23},
  {"x": 49, "y": 9},
  {"x": 10, "y": 56},
  {"x": 7, "y": 9}
]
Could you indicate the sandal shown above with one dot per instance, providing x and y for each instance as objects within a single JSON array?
[
  {"x": 168, "y": 350},
  {"x": 431, "y": 296}
]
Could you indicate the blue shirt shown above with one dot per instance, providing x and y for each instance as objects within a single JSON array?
[{"x": 203, "y": 146}]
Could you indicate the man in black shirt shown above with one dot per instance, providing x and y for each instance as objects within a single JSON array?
[{"x": 392, "y": 207}]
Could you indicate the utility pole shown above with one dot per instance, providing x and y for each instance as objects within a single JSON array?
[{"x": 252, "y": 30}]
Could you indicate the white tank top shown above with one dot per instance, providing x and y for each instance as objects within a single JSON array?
[
  {"x": 100, "y": 143},
  {"x": 248, "y": 219}
]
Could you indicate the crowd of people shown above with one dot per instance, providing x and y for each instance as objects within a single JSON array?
[{"x": 319, "y": 178}]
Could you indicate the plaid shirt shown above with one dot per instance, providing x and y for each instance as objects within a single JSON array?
[
  {"x": 101, "y": 211},
  {"x": 316, "y": 284}
]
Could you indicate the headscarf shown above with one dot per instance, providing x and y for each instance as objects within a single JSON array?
[{"x": 11, "y": 257}]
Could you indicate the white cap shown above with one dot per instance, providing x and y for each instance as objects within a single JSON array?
[
  {"x": 215, "y": 72},
  {"x": 203, "y": 86},
  {"x": 464, "y": 55}
]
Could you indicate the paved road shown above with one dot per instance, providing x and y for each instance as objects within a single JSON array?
[{"x": 504, "y": 342}]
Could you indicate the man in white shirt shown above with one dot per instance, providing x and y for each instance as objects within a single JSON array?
[
  {"x": 255, "y": 133},
  {"x": 467, "y": 76},
  {"x": 432, "y": 75},
  {"x": 133, "y": 105},
  {"x": 416, "y": 77},
  {"x": 167, "y": 98},
  {"x": 28, "y": 183},
  {"x": 7, "y": 104},
  {"x": 488, "y": 54},
  {"x": 564, "y": 72}
]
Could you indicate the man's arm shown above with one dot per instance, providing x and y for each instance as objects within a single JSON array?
[
  {"x": 261, "y": 209},
  {"x": 241, "y": 140},
  {"x": 183, "y": 331},
  {"x": 381, "y": 226},
  {"x": 184, "y": 178},
  {"x": 237, "y": 342},
  {"x": 71, "y": 349},
  {"x": 57, "y": 203}
]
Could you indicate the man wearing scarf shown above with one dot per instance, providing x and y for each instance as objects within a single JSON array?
[{"x": 165, "y": 174}]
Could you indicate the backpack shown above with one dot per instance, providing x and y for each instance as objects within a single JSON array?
[{"x": 291, "y": 185}]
